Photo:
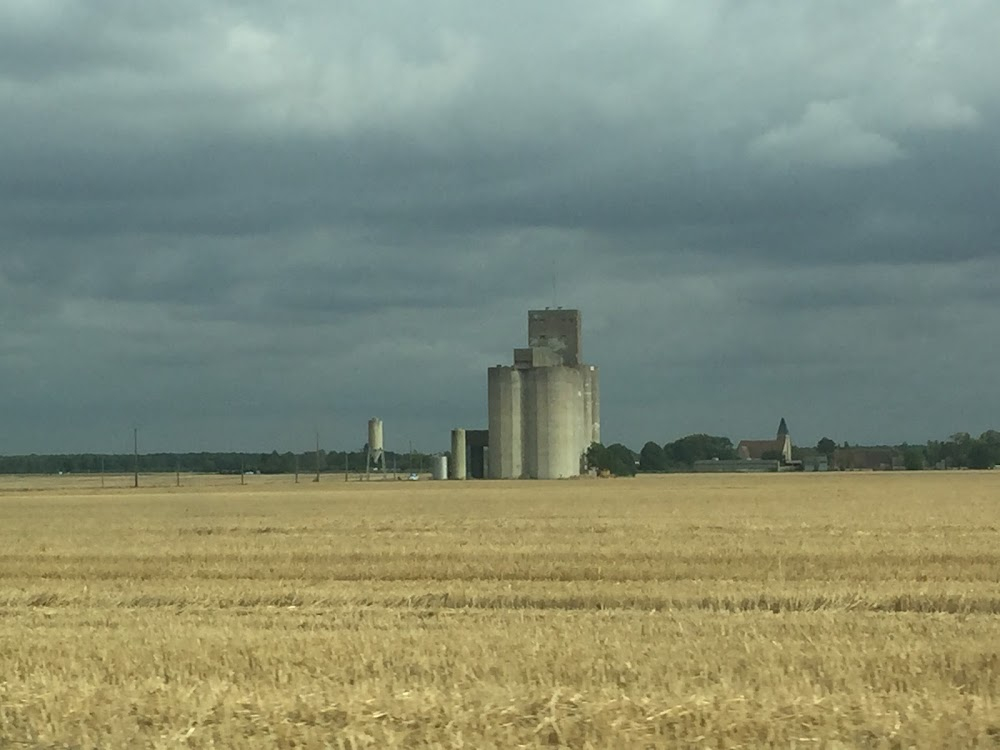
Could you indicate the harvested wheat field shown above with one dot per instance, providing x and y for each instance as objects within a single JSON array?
[{"x": 829, "y": 611}]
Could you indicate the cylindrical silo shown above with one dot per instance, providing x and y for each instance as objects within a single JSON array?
[
  {"x": 457, "y": 465},
  {"x": 439, "y": 467},
  {"x": 558, "y": 407},
  {"x": 504, "y": 393},
  {"x": 587, "y": 373},
  {"x": 374, "y": 435}
]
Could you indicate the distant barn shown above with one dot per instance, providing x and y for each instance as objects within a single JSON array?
[{"x": 780, "y": 448}]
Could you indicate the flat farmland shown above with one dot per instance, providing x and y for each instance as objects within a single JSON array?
[{"x": 833, "y": 611}]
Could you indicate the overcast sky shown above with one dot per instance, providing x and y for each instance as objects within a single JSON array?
[{"x": 234, "y": 223}]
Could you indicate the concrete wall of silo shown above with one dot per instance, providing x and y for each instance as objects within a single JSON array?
[
  {"x": 505, "y": 426},
  {"x": 554, "y": 422},
  {"x": 594, "y": 378},
  {"x": 529, "y": 425},
  {"x": 586, "y": 375},
  {"x": 457, "y": 464}
]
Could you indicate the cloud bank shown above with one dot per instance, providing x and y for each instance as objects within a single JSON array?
[{"x": 233, "y": 224}]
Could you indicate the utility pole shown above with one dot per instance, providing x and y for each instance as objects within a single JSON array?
[
  {"x": 178, "y": 460},
  {"x": 317, "y": 457},
  {"x": 243, "y": 469},
  {"x": 102, "y": 471},
  {"x": 346, "y": 465},
  {"x": 135, "y": 456},
  {"x": 296, "y": 468}
]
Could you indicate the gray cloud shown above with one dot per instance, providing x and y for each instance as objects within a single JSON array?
[{"x": 233, "y": 224}]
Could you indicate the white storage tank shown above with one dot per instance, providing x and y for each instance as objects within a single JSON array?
[
  {"x": 374, "y": 435},
  {"x": 439, "y": 467}
]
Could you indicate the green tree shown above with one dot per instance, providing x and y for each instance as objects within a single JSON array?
[
  {"x": 270, "y": 463},
  {"x": 616, "y": 459},
  {"x": 982, "y": 455},
  {"x": 913, "y": 459},
  {"x": 684, "y": 452},
  {"x": 652, "y": 458},
  {"x": 826, "y": 446},
  {"x": 597, "y": 457},
  {"x": 622, "y": 460},
  {"x": 991, "y": 438}
]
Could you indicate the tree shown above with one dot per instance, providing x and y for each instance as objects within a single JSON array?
[
  {"x": 982, "y": 455},
  {"x": 991, "y": 437},
  {"x": 597, "y": 457},
  {"x": 826, "y": 446},
  {"x": 913, "y": 459},
  {"x": 271, "y": 463},
  {"x": 684, "y": 452},
  {"x": 652, "y": 458},
  {"x": 622, "y": 460},
  {"x": 616, "y": 459},
  {"x": 958, "y": 448}
]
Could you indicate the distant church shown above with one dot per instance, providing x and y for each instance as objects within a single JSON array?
[{"x": 757, "y": 449}]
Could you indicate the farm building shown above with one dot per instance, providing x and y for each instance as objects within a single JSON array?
[
  {"x": 867, "y": 459},
  {"x": 779, "y": 448}
]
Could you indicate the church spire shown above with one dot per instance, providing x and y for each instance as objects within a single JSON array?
[{"x": 782, "y": 428}]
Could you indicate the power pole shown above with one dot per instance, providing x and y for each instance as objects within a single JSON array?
[
  {"x": 135, "y": 456},
  {"x": 296, "y": 468},
  {"x": 243, "y": 472},
  {"x": 346, "y": 465},
  {"x": 102, "y": 471},
  {"x": 317, "y": 457},
  {"x": 178, "y": 471}
]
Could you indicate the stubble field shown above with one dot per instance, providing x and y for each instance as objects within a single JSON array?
[{"x": 834, "y": 611}]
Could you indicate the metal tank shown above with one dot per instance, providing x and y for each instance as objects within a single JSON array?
[
  {"x": 439, "y": 467},
  {"x": 375, "y": 435}
]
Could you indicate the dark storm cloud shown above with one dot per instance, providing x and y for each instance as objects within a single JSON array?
[{"x": 231, "y": 222}]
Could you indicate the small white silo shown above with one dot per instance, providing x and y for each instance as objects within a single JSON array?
[
  {"x": 376, "y": 451},
  {"x": 439, "y": 467},
  {"x": 375, "y": 435}
]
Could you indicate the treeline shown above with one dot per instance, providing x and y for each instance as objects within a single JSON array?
[
  {"x": 208, "y": 463},
  {"x": 679, "y": 455},
  {"x": 959, "y": 451}
]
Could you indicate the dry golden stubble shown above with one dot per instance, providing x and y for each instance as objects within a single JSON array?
[{"x": 672, "y": 611}]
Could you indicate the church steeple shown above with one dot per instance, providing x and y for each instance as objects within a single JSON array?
[{"x": 782, "y": 428}]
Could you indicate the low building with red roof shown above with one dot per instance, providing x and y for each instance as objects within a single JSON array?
[{"x": 780, "y": 447}]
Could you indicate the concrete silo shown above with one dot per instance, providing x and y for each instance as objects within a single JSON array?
[
  {"x": 376, "y": 449},
  {"x": 456, "y": 467},
  {"x": 544, "y": 410},
  {"x": 439, "y": 467}
]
